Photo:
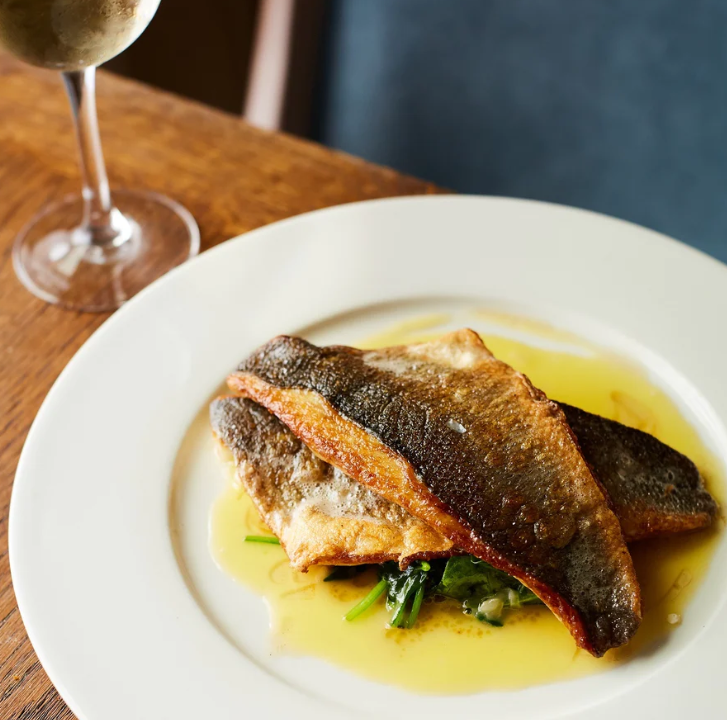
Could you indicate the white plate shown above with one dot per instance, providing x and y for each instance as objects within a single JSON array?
[{"x": 130, "y": 624}]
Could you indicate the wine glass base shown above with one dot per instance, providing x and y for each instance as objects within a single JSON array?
[{"x": 53, "y": 258}]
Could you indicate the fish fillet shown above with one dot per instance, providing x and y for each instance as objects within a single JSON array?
[
  {"x": 320, "y": 515},
  {"x": 654, "y": 490},
  {"x": 469, "y": 446}
]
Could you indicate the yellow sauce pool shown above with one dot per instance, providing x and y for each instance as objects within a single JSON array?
[{"x": 448, "y": 652}]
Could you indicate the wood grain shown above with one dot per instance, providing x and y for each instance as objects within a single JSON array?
[{"x": 232, "y": 177}]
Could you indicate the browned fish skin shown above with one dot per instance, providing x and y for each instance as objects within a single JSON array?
[
  {"x": 468, "y": 445},
  {"x": 320, "y": 515},
  {"x": 654, "y": 490}
]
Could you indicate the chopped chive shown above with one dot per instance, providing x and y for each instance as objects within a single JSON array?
[
  {"x": 373, "y": 595},
  {"x": 416, "y": 605},
  {"x": 269, "y": 539}
]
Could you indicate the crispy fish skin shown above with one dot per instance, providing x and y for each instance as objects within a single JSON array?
[
  {"x": 469, "y": 446},
  {"x": 321, "y": 516},
  {"x": 654, "y": 490}
]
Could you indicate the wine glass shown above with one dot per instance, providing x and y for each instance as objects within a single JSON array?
[{"x": 91, "y": 251}]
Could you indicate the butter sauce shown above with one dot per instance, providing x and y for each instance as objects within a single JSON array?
[{"x": 448, "y": 652}]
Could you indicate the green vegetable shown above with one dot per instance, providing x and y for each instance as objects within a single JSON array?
[
  {"x": 482, "y": 591},
  {"x": 269, "y": 539},
  {"x": 403, "y": 589},
  {"x": 465, "y": 575},
  {"x": 416, "y": 606},
  {"x": 376, "y": 592}
]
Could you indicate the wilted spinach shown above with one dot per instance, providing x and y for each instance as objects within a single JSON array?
[
  {"x": 405, "y": 591},
  {"x": 482, "y": 591}
]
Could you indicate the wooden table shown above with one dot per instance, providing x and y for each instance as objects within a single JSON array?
[{"x": 232, "y": 177}]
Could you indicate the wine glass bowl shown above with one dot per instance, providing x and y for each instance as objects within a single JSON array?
[
  {"x": 91, "y": 252},
  {"x": 72, "y": 34}
]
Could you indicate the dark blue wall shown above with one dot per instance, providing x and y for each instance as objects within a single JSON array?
[{"x": 615, "y": 105}]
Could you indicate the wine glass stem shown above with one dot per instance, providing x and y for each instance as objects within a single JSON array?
[{"x": 102, "y": 224}]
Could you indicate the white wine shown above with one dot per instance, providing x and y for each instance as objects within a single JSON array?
[{"x": 72, "y": 34}]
